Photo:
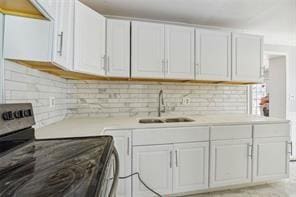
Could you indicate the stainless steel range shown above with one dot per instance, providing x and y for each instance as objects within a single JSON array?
[{"x": 81, "y": 167}]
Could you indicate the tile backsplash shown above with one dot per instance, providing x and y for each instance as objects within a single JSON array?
[
  {"x": 101, "y": 98},
  {"x": 114, "y": 98}
]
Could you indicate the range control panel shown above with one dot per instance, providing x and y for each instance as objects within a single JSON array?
[{"x": 15, "y": 117}]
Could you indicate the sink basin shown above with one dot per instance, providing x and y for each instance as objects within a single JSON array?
[
  {"x": 181, "y": 119},
  {"x": 150, "y": 121}
]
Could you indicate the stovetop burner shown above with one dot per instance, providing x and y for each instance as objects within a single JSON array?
[{"x": 54, "y": 168}]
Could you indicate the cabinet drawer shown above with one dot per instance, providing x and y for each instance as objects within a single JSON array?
[
  {"x": 272, "y": 130},
  {"x": 170, "y": 135},
  {"x": 231, "y": 132}
]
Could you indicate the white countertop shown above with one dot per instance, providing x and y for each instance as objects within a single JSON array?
[{"x": 95, "y": 126}]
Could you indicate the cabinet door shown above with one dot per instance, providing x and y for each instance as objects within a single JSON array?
[
  {"x": 118, "y": 48},
  {"x": 179, "y": 52},
  {"x": 154, "y": 163},
  {"x": 230, "y": 162},
  {"x": 247, "y": 57},
  {"x": 64, "y": 35},
  {"x": 213, "y": 55},
  {"x": 191, "y": 166},
  {"x": 123, "y": 146},
  {"x": 89, "y": 47},
  {"x": 27, "y": 39},
  {"x": 147, "y": 50},
  {"x": 271, "y": 158}
]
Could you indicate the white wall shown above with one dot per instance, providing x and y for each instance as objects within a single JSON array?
[
  {"x": 277, "y": 87},
  {"x": 290, "y": 51}
]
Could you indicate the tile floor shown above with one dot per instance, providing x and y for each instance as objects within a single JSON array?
[{"x": 284, "y": 188}]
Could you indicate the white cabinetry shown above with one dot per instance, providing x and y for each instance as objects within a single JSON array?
[
  {"x": 213, "y": 55},
  {"x": 123, "y": 146},
  {"x": 47, "y": 7},
  {"x": 191, "y": 166},
  {"x": 179, "y": 52},
  {"x": 154, "y": 163},
  {"x": 27, "y": 39},
  {"x": 63, "y": 38},
  {"x": 247, "y": 57},
  {"x": 89, "y": 42},
  {"x": 272, "y": 149},
  {"x": 231, "y": 162},
  {"x": 271, "y": 158},
  {"x": 148, "y": 58},
  {"x": 118, "y": 48}
]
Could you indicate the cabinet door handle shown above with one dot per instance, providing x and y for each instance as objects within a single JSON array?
[
  {"x": 171, "y": 158},
  {"x": 250, "y": 150},
  {"x": 103, "y": 62},
  {"x": 108, "y": 64},
  {"x": 60, "y": 51},
  {"x": 167, "y": 66},
  {"x": 176, "y": 154},
  {"x": 163, "y": 65},
  {"x": 291, "y": 148},
  {"x": 128, "y": 146}
]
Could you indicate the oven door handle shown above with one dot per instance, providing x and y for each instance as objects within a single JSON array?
[{"x": 116, "y": 175}]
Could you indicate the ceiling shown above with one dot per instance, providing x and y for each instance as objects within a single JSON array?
[{"x": 276, "y": 19}]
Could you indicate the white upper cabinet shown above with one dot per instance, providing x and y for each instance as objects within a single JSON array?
[
  {"x": 213, "y": 55},
  {"x": 47, "y": 7},
  {"x": 64, "y": 34},
  {"x": 247, "y": 57},
  {"x": 89, "y": 40},
  {"x": 179, "y": 52},
  {"x": 118, "y": 48},
  {"x": 191, "y": 166},
  {"x": 148, "y": 58},
  {"x": 27, "y": 39}
]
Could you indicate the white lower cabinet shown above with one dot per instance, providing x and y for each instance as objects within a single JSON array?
[
  {"x": 231, "y": 162},
  {"x": 154, "y": 163},
  {"x": 123, "y": 146},
  {"x": 171, "y": 168},
  {"x": 191, "y": 167},
  {"x": 271, "y": 158}
]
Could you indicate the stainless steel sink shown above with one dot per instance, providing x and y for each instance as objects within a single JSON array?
[
  {"x": 181, "y": 119},
  {"x": 150, "y": 121},
  {"x": 167, "y": 120}
]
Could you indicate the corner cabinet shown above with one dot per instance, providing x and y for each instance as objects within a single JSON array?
[
  {"x": 123, "y": 145},
  {"x": 247, "y": 57},
  {"x": 212, "y": 55},
  {"x": 148, "y": 57},
  {"x": 118, "y": 48},
  {"x": 89, "y": 40}
]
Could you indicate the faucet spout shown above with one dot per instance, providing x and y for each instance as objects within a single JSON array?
[{"x": 161, "y": 105}]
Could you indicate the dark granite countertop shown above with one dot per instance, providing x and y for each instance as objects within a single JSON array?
[{"x": 54, "y": 168}]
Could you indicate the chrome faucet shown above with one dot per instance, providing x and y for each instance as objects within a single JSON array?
[{"x": 161, "y": 105}]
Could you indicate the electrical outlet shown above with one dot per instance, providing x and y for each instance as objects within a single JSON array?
[
  {"x": 186, "y": 101},
  {"x": 52, "y": 102}
]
